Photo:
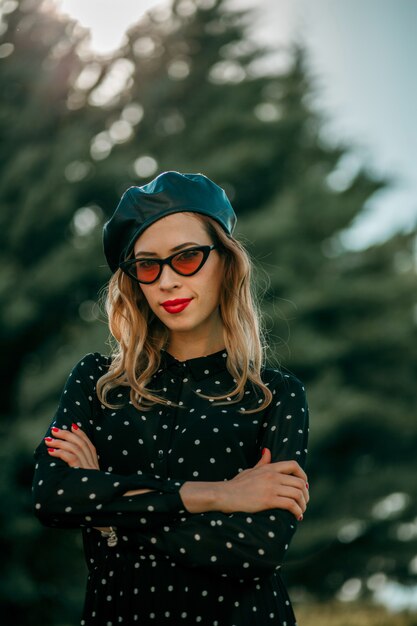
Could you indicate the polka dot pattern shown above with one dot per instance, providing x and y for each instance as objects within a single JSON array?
[{"x": 172, "y": 566}]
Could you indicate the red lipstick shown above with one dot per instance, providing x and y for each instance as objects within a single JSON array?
[{"x": 176, "y": 306}]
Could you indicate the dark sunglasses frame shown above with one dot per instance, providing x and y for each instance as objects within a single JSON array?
[{"x": 128, "y": 266}]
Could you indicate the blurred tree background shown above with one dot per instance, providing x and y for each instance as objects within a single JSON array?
[{"x": 183, "y": 93}]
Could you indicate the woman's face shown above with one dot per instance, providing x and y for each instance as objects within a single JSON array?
[{"x": 203, "y": 288}]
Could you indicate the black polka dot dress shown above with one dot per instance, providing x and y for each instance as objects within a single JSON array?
[{"x": 170, "y": 566}]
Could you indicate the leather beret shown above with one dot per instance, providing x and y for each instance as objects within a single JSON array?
[{"x": 170, "y": 192}]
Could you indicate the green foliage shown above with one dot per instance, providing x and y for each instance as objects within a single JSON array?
[{"x": 189, "y": 99}]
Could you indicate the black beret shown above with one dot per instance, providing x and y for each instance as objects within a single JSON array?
[{"x": 170, "y": 192}]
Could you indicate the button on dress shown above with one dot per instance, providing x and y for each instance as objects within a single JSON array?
[{"x": 171, "y": 566}]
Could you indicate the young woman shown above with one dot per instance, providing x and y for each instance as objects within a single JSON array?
[{"x": 181, "y": 455}]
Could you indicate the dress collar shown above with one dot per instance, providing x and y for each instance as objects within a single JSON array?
[{"x": 200, "y": 367}]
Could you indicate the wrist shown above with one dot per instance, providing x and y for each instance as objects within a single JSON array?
[{"x": 200, "y": 496}]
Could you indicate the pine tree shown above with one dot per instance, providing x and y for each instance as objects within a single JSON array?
[
  {"x": 183, "y": 94},
  {"x": 45, "y": 276},
  {"x": 344, "y": 322}
]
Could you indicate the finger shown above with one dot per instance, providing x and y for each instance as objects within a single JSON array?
[
  {"x": 67, "y": 457},
  {"x": 298, "y": 483},
  {"x": 291, "y": 467},
  {"x": 289, "y": 505},
  {"x": 78, "y": 441},
  {"x": 76, "y": 429},
  {"x": 71, "y": 448},
  {"x": 265, "y": 457},
  {"x": 60, "y": 447},
  {"x": 84, "y": 442},
  {"x": 294, "y": 494}
]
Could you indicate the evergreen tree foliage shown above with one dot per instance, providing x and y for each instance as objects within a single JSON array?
[
  {"x": 183, "y": 93},
  {"x": 45, "y": 275}
]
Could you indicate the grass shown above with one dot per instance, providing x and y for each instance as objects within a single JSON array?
[{"x": 337, "y": 614}]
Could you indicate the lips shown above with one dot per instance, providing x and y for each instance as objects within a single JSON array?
[{"x": 176, "y": 306}]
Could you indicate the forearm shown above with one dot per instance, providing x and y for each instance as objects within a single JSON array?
[
  {"x": 197, "y": 496},
  {"x": 236, "y": 545},
  {"x": 69, "y": 497}
]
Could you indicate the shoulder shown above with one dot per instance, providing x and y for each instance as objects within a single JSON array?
[
  {"x": 281, "y": 380},
  {"x": 289, "y": 397},
  {"x": 92, "y": 365}
]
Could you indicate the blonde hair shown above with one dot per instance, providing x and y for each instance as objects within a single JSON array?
[{"x": 140, "y": 335}]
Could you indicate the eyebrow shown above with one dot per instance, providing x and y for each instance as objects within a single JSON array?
[{"x": 181, "y": 245}]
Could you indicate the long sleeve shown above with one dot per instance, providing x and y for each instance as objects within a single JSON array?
[
  {"x": 245, "y": 545},
  {"x": 69, "y": 497}
]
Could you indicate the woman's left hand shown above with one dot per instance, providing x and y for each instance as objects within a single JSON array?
[{"x": 72, "y": 446}]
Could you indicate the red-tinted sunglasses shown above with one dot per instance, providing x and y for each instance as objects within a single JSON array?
[{"x": 186, "y": 263}]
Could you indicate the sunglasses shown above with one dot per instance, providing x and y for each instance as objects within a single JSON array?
[{"x": 185, "y": 263}]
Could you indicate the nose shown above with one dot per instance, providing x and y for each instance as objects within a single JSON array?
[{"x": 168, "y": 278}]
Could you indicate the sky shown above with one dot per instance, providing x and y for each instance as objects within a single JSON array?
[{"x": 362, "y": 54}]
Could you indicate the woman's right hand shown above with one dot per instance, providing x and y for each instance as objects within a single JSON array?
[
  {"x": 279, "y": 485},
  {"x": 267, "y": 485}
]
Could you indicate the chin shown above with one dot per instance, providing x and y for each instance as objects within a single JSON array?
[{"x": 180, "y": 325}]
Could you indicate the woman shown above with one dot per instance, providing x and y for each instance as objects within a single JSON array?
[{"x": 180, "y": 456}]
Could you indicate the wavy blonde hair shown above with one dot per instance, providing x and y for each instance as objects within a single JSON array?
[{"x": 140, "y": 335}]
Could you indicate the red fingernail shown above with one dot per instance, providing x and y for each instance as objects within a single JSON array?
[
  {"x": 307, "y": 486},
  {"x": 300, "y": 518},
  {"x": 55, "y": 429},
  {"x": 51, "y": 449},
  {"x": 75, "y": 427},
  {"x": 263, "y": 451},
  {"x": 48, "y": 438}
]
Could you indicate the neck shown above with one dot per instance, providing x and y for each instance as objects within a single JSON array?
[{"x": 185, "y": 345}]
